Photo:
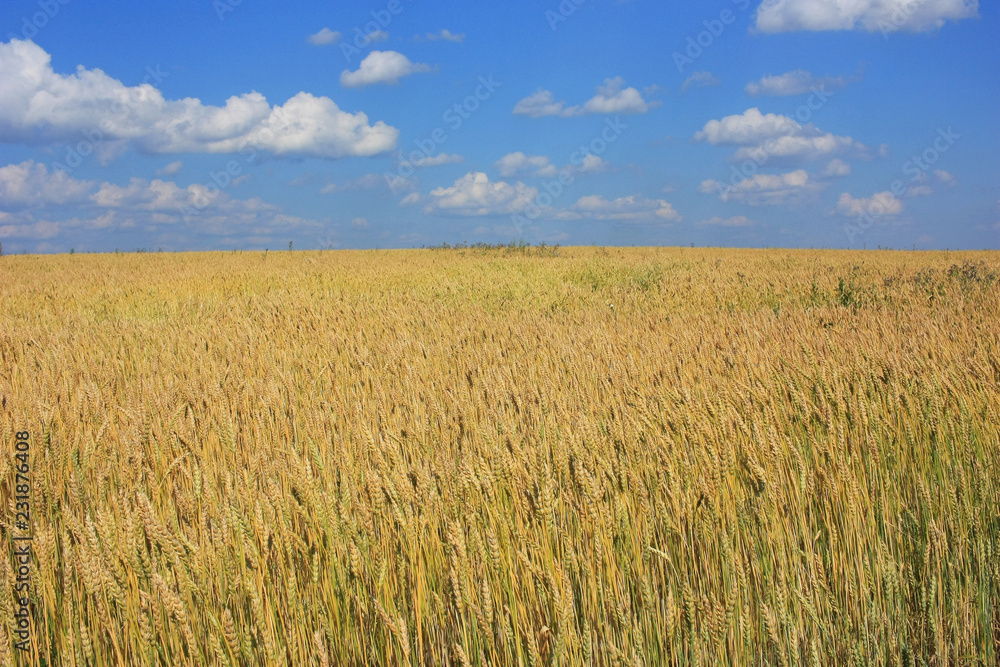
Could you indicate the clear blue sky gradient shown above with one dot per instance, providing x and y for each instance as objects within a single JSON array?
[{"x": 897, "y": 93}]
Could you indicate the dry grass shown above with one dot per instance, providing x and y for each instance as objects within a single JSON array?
[{"x": 471, "y": 457}]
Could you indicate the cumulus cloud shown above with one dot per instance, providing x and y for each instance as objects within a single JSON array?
[
  {"x": 170, "y": 169},
  {"x": 773, "y": 137},
  {"x": 411, "y": 199},
  {"x": 37, "y": 230},
  {"x": 385, "y": 67},
  {"x": 799, "y": 149},
  {"x": 30, "y": 184},
  {"x": 512, "y": 163},
  {"x": 796, "y": 82},
  {"x": 538, "y": 104},
  {"x": 475, "y": 195},
  {"x": 626, "y": 209},
  {"x": 944, "y": 177},
  {"x": 29, "y": 188},
  {"x": 324, "y": 37},
  {"x": 884, "y": 16},
  {"x": 611, "y": 98},
  {"x": 614, "y": 98},
  {"x": 750, "y": 127},
  {"x": 836, "y": 168},
  {"x": 736, "y": 221},
  {"x": 699, "y": 80},
  {"x": 446, "y": 35},
  {"x": 764, "y": 189},
  {"x": 881, "y": 203},
  {"x": 540, "y": 166},
  {"x": 40, "y": 106},
  {"x": 592, "y": 164},
  {"x": 167, "y": 196}
]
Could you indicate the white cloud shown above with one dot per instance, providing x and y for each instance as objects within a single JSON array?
[
  {"x": 324, "y": 37},
  {"x": 513, "y": 163},
  {"x": 538, "y": 104},
  {"x": 540, "y": 166},
  {"x": 446, "y": 35},
  {"x": 411, "y": 199},
  {"x": 799, "y": 149},
  {"x": 764, "y": 137},
  {"x": 699, "y": 80},
  {"x": 836, "y": 168},
  {"x": 168, "y": 197},
  {"x": 139, "y": 203},
  {"x": 748, "y": 128},
  {"x": 475, "y": 195},
  {"x": 611, "y": 98},
  {"x": 626, "y": 209},
  {"x": 593, "y": 164},
  {"x": 920, "y": 191},
  {"x": 385, "y": 67},
  {"x": 796, "y": 82},
  {"x": 37, "y": 105},
  {"x": 736, "y": 221},
  {"x": 170, "y": 169},
  {"x": 764, "y": 189},
  {"x": 884, "y": 16},
  {"x": 314, "y": 126},
  {"x": 31, "y": 184},
  {"x": 361, "y": 223},
  {"x": 881, "y": 203},
  {"x": 945, "y": 177},
  {"x": 30, "y": 229}
]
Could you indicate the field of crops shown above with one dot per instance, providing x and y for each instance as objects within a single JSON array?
[{"x": 505, "y": 457}]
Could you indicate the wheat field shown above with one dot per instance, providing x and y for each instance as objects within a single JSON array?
[{"x": 524, "y": 456}]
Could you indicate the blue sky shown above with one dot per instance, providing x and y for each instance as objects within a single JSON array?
[{"x": 220, "y": 124}]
